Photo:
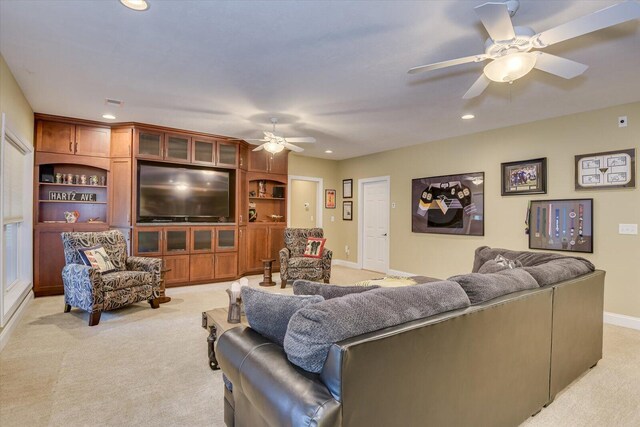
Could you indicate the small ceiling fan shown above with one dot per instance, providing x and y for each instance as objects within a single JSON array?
[
  {"x": 274, "y": 143},
  {"x": 510, "y": 48}
]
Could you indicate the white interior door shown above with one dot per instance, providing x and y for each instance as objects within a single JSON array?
[{"x": 375, "y": 225}]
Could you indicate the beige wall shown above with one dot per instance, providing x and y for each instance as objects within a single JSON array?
[
  {"x": 557, "y": 139},
  {"x": 303, "y": 192},
  {"x": 16, "y": 107}
]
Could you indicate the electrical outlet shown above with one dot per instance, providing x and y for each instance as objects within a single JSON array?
[
  {"x": 333, "y": 218},
  {"x": 627, "y": 228},
  {"x": 346, "y": 249},
  {"x": 622, "y": 121}
]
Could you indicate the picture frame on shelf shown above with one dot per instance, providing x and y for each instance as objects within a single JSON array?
[
  {"x": 606, "y": 170},
  {"x": 347, "y": 188},
  {"x": 329, "y": 199},
  {"x": 561, "y": 225},
  {"x": 524, "y": 177},
  {"x": 347, "y": 210}
]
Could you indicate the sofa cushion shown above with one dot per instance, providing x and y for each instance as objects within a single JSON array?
[
  {"x": 307, "y": 287},
  {"x": 559, "y": 270},
  {"x": 126, "y": 279},
  {"x": 269, "y": 313},
  {"x": 313, "y": 329},
  {"x": 498, "y": 264},
  {"x": 305, "y": 262},
  {"x": 484, "y": 287}
]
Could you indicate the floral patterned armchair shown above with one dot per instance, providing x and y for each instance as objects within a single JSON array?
[
  {"x": 135, "y": 279},
  {"x": 293, "y": 265}
]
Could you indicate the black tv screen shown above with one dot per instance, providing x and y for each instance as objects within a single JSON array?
[{"x": 182, "y": 194}]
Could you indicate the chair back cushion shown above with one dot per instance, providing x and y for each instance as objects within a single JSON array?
[
  {"x": 112, "y": 241},
  {"x": 295, "y": 239}
]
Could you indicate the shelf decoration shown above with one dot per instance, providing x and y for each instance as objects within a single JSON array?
[
  {"x": 72, "y": 217},
  {"x": 606, "y": 170},
  {"x": 561, "y": 225},
  {"x": 72, "y": 196}
]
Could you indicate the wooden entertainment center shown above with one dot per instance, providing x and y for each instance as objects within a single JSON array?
[{"x": 91, "y": 168}]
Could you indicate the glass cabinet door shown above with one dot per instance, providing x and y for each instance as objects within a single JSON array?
[
  {"x": 226, "y": 239},
  {"x": 202, "y": 239},
  {"x": 148, "y": 241},
  {"x": 178, "y": 148},
  {"x": 149, "y": 144},
  {"x": 203, "y": 151},
  {"x": 227, "y": 154},
  {"x": 176, "y": 240}
]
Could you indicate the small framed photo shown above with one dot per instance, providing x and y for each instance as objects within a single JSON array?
[
  {"x": 347, "y": 188},
  {"x": 329, "y": 199},
  {"x": 347, "y": 210},
  {"x": 561, "y": 225},
  {"x": 606, "y": 170},
  {"x": 524, "y": 177}
]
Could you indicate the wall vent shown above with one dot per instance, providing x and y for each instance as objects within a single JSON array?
[{"x": 113, "y": 102}]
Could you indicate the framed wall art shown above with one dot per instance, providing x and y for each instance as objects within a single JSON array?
[
  {"x": 561, "y": 225},
  {"x": 524, "y": 177},
  {"x": 347, "y": 188},
  {"x": 330, "y": 199},
  {"x": 609, "y": 169},
  {"x": 347, "y": 211},
  {"x": 449, "y": 204}
]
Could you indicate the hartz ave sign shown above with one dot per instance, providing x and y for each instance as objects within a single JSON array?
[{"x": 72, "y": 196}]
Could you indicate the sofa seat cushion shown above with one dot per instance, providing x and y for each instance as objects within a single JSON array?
[
  {"x": 313, "y": 329},
  {"x": 305, "y": 262},
  {"x": 484, "y": 287},
  {"x": 269, "y": 313},
  {"x": 126, "y": 279},
  {"x": 307, "y": 287}
]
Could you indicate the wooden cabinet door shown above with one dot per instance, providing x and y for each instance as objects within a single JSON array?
[
  {"x": 202, "y": 239},
  {"x": 121, "y": 140},
  {"x": 147, "y": 241},
  {"x": 227, "y": 154},
  {"x": 258, "y": 161},
  {"x": 177, "y": 148},
  {"x": 48, "y": 263},
  {"x": 244, "y": 157},
  {"x": 257, "y": 247},
  {"x": 55, "y": 137},
  {"x": 92, "y": 141},
  {"x": 203, "y": 151},
  {"x": 278, "y": 162},
  {"x": 149, "y": 144},
  {"x": 226, "y": 265},
  {"x": 176, "y": 240},
  {"x": 242, "y": 250},
  {"x": 201, "y": 267},
  {"x": 276, "y": 242},
  {"x": 226, "y": 239},
  {"x": 120, "y": 192},
  {"x": 179, "y": 269}
]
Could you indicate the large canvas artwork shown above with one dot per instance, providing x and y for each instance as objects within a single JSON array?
[
  {"x": 449, "y": 204},
  {"x": 561, "y": 225}
]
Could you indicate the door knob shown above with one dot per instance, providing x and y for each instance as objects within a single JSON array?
[{"x": 384, "y": 235}]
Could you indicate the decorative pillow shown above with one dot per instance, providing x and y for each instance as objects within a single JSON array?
[
  {"x": 484, "y": 287},
  {"x": 314, "y": 247},
  {"x": 306, "y": 287},
  {"x": 97, "y": 257},
  {"x": 269, "y": 313},
  {"x": 313, "y": 329}
]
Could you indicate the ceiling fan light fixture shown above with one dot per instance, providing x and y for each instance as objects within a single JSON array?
[
  {"x": 139, "y": 5},
  {"x": 510, "y": 67},
  {"x": 273, "y": 147}
]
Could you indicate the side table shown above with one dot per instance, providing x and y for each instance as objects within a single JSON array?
[
  {"x": 162, "y": 298},
  {"x": 267, "y": 281},
  {"x": 215, "y": 321}
]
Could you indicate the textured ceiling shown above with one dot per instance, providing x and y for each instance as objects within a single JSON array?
[{"x": 332, "y": 70}]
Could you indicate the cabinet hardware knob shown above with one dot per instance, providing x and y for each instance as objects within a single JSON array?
[{"x": 70, "y": 146}]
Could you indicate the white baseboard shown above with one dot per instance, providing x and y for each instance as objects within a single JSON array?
[
  {"x": 5, "y": 333},
  {"x": 622, "y": 320},
  {"x": 344, "y": 263},
  {"x": 400, "y": 273}
]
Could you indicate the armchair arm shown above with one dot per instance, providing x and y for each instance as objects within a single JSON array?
[
  {"x": 327, "y": 254},
  {"x": 83, "y": 287},
  {"x": 150, "y": 265},
  {"x": 284, "y": 262}
]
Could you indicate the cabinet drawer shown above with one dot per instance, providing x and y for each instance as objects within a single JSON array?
[{"x": 202, "y": 267}]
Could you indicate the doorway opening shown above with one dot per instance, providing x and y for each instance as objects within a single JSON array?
[{"x": 304, "y": 202}]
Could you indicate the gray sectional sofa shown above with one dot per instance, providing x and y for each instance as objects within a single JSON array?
[{"x": 491, "y": 363}]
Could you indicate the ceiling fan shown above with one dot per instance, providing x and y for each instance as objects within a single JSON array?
[
  {"x": 274, "y": 143},
  {"x": 510, "y": 48}
]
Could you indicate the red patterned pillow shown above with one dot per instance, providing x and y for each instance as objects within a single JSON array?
[{"x": 314, "y": 247}]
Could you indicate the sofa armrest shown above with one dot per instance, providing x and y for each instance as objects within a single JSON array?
[
  {"x": 150, "y": 265},
  {"x": 278, "y": 392},
  {"x": 83, "y": 287}
]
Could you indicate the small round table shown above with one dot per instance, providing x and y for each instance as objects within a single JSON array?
[
  {"x": 267, "y": 273},
  {"x": 162, "y": 298}
]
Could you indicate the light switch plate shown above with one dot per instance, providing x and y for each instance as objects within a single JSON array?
[{"x": 627, "y": 228}]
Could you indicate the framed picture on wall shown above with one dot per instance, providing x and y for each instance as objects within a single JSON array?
[
  {"x": 347, "y": 210},
  {"x": 524, "y": 177},
  {"x": 605, "y": 170},
  {"x": 347, "y": 188},
  {"x": 330, "y": 199},
  {"x": 561, "y": 225},
  {"x": 449, "y": 204}
]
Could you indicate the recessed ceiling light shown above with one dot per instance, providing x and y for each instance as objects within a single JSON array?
[
  {"x": 467, "y": 117},
  {"x": 139, "y": 5},
  {"x": 109, "y": 116},
  {"x": 328, "y": 151}
]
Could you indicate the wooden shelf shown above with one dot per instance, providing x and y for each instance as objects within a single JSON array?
[
  {"x": 73, "y": 185},
  {"x": 266, "y": 198},
  {"x": 73, "y": 201}
]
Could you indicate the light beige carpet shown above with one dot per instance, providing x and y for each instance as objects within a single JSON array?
[{"x": 148, "y": 367}]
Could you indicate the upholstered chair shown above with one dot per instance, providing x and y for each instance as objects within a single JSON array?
[
  {"x": 135, "y": 279},
  {"x": 293, "y": 265}
]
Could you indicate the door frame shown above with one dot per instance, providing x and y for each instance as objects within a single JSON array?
[
  {"x": 319, "y": 201},
  {"x": 361, "y": 183}
]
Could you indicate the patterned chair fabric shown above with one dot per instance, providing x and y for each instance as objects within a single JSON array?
[
  {"x": 136, "y": 279},
  {"x": 293, "y": 265}
]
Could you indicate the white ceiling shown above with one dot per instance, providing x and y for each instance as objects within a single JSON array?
[{"x": 332, "y": 70}]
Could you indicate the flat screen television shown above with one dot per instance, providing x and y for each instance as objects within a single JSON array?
[{"x": 182, "y": 194}]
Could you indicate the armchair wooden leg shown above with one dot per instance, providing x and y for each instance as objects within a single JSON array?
[
  {"x": 283, "y": 284},
  {"x": 67, "y": 308},
  {"x": 154, "y": 302},
  {"x": 94, "y": 318},
  {"x": 326, "y": 280}
]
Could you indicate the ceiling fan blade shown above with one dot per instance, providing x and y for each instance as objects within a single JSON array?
[
  {"x": 444, "y": 64},
  {"x": 301, "y": 139},
  {"x": 558, "y": 66},
  {"x": 259, "y": 148},
  {"x": 608, "y": 17},
  {"x": 478, "y": 87},
  {"x": 293, "y": 147},
  {"x": 268, "y": 135},
  {"x": 496, "y": 19}
]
